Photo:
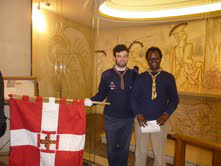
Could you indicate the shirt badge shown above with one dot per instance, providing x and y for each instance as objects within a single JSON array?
[{"x": 112, "y": 86}]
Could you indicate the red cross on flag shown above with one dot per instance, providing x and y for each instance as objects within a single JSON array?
[{"x": 46, "y": 134}]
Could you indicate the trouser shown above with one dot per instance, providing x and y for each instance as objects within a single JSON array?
[
  {"x": 118, "y": 135},
  {"x": 158, "y": 141}
]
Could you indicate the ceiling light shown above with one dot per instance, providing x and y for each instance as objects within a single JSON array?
[
  {"x": 38, "y": 20},
  {"x": 107, "y": 10}
]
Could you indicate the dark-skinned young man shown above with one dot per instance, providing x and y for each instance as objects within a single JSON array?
[{"x": 154, "y": 97}]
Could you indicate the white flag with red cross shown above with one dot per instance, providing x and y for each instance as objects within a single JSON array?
[{"x": 46, "y": 134}]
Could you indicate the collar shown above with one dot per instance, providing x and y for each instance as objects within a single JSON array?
[{"x": 120, "y": 68}]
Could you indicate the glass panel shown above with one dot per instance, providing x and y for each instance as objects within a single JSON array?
[
  {"x": 62, "y": 49},
  {"x": 191, "y": 52}
]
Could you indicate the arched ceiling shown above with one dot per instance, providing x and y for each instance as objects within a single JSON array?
[
  {"x": 83, "y": 11},
  {"x": 156, "y": 9}
]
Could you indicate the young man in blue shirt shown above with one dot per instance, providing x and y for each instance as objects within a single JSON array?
[
  {"x": 154, "y": 97},
  {"x": 116, "y": 85}
]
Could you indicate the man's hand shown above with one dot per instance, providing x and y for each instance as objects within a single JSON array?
[
  {"x": 141, "y": 120},
  {"x": 88, "y": 102},
  {"x": 162, "y": 119}
]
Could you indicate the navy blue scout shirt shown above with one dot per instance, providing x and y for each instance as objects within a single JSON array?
[
  {"x": 110, "y": 88},
  {"x": 167, "y": 97}
]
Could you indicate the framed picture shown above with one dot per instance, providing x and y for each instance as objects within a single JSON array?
[{"x": 19, "y": 86}]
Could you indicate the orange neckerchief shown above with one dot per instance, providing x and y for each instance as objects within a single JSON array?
[{"x": 121, "y": 77}]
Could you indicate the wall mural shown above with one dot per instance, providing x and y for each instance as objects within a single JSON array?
[
  {"x": 191, "y": 52},
  {"x": 66, "y": 64},
  {"x": 68, "y": 55},
  {"x": 197, "y": 118},
  {"x": 187, "y": 70},
  {"x": 213, "y": 58},
  {"x": 136, "y": 56}
]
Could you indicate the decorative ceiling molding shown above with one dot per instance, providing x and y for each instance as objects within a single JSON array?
[{"x": 160, "y": 9}]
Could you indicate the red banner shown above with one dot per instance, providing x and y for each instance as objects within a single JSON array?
[{"x": 46, "y": 134}]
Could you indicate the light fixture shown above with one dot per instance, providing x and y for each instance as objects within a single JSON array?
[
  {"x": 38, "y": 20},
  {"x": 127, "y": 11},
  {"x": 39, "y": 5}
]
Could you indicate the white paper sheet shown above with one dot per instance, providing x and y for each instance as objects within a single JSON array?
[{"x": 151, "y": 127}]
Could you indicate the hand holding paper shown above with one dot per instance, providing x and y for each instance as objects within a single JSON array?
[
  {"x": 141, "y": 120},
  {"x": 162, "y": 119},
  {"x": 151, "y": 127}
]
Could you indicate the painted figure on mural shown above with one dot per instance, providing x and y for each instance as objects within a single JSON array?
[
  {"x": 101, "y": 57},
  {"x": 136, "y": 56},
  {"x": 68, "y": 53},
  {"x": 187, "y": 71}
]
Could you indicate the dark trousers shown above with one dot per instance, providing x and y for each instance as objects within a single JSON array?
[{"x": 118, "y": 135}]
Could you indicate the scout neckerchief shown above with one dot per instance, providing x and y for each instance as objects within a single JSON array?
[
  {"x": 154, "y": 92},
  {"x": 121, "y": 77}
]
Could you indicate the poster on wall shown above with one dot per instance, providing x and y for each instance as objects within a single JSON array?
[{"x": 19, "y": 86}]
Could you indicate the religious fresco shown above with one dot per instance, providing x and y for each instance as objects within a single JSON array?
[
  {"x": 187, "y": 70},
  {"x": 135, "y": 58},
  {"x": 66, "y": 64},
  {"x": 197, "y": 118},
  {"x": 100, "y": 56},
  {"x": 200, "y": 116},
  {"x": 183, "y": 53},
  {"x": 68, "y": 55},
  {"x": 191, "y": 52},
  {"x": 136, "y": 55},
  {"x": 213, "y": 57}
]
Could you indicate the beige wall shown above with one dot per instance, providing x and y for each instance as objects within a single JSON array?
[
  {"x": 15, "y": 37},
  {"x": 15, "y": 45}
]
